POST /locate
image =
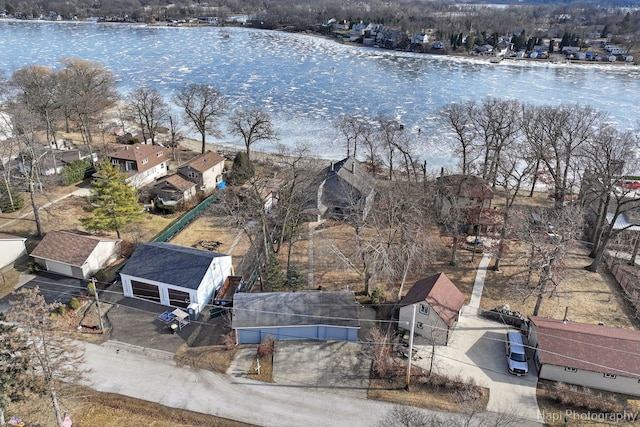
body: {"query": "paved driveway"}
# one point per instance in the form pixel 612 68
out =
pixel 477 351
pixel 334 366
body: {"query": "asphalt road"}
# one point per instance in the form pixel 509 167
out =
pixel 153 376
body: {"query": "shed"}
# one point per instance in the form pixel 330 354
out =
pixel 295 316
pixel 173 275
pixel 75 254
pixel 12 250
pixel 437 303
pixel 585 354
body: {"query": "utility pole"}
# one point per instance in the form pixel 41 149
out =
pixel 95 291
pixel 410 352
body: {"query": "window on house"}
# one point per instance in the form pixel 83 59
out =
pixel 570 369
pixel 609 376
pixel 420 325
pixel 128 166
pixel 424 309
pixel 193 175
pixel 159 154
pixel 115 162
pixel 145 161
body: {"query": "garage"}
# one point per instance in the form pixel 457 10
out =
pixel 178 298
pixel 295 316
pixel 145 290
pixel 59 268
pixel 175 276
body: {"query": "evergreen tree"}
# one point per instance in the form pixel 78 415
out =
pixel 114 201
pixel 242 169
pixel 11 199
pixel 273 277
pixel 295 279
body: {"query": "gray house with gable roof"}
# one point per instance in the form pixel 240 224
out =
pixel 173 275
pixel 341 190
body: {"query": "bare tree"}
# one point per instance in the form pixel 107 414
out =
pixel 86 90
pixel 356 129
pixel 38 91
pixel 51 353
pixel 201 104
pixel 458 118
pixel 550 234
pixel 25 124
pixel 497 123
pixel 567 128
pixel 512 171
pixel 388 134
pixel 149 109
pixel 175 135
pixel 253 125
pixel 610 155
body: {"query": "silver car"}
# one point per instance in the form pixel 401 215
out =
pixel 516 356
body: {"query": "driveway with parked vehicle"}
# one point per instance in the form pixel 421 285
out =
pixel 477 351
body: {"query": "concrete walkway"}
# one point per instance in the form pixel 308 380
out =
pixel 478 285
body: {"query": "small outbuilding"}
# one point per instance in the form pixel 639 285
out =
pixel 588 355
pixel 295 316
pixel 12 250
pixel 75 254
pixel 437 303
pixel 173 275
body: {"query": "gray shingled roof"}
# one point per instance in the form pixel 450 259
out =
pixel 295 309
pixel 171 264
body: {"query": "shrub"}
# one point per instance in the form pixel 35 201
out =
pixel 91 289
pixel 74 303
pixel 75 171
pixel 100 276
pixel 378 296
pixel 62 310
pixel 266 347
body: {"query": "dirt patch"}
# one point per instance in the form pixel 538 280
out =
pixel 211 358
pixel 209 228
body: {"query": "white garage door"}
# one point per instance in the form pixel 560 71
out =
pixel 57 267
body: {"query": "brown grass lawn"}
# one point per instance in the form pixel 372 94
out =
pixel 591 297
pixel 393 390
pixel 90 408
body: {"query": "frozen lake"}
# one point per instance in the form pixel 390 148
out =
pixel 306 82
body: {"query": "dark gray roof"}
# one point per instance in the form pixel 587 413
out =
pixel 295 309
pixel 171 264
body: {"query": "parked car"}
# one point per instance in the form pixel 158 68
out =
pixel 516 355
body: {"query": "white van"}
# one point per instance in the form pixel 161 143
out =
pixel 516 356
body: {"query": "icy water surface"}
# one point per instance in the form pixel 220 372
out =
pixel 306 82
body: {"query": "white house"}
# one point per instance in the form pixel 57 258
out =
pixel 142 163
pixel 75 254
pixel 437 303
pixel 12 250
pixel 176 276
pixel 588 355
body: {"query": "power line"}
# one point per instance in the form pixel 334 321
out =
pixel 377 321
